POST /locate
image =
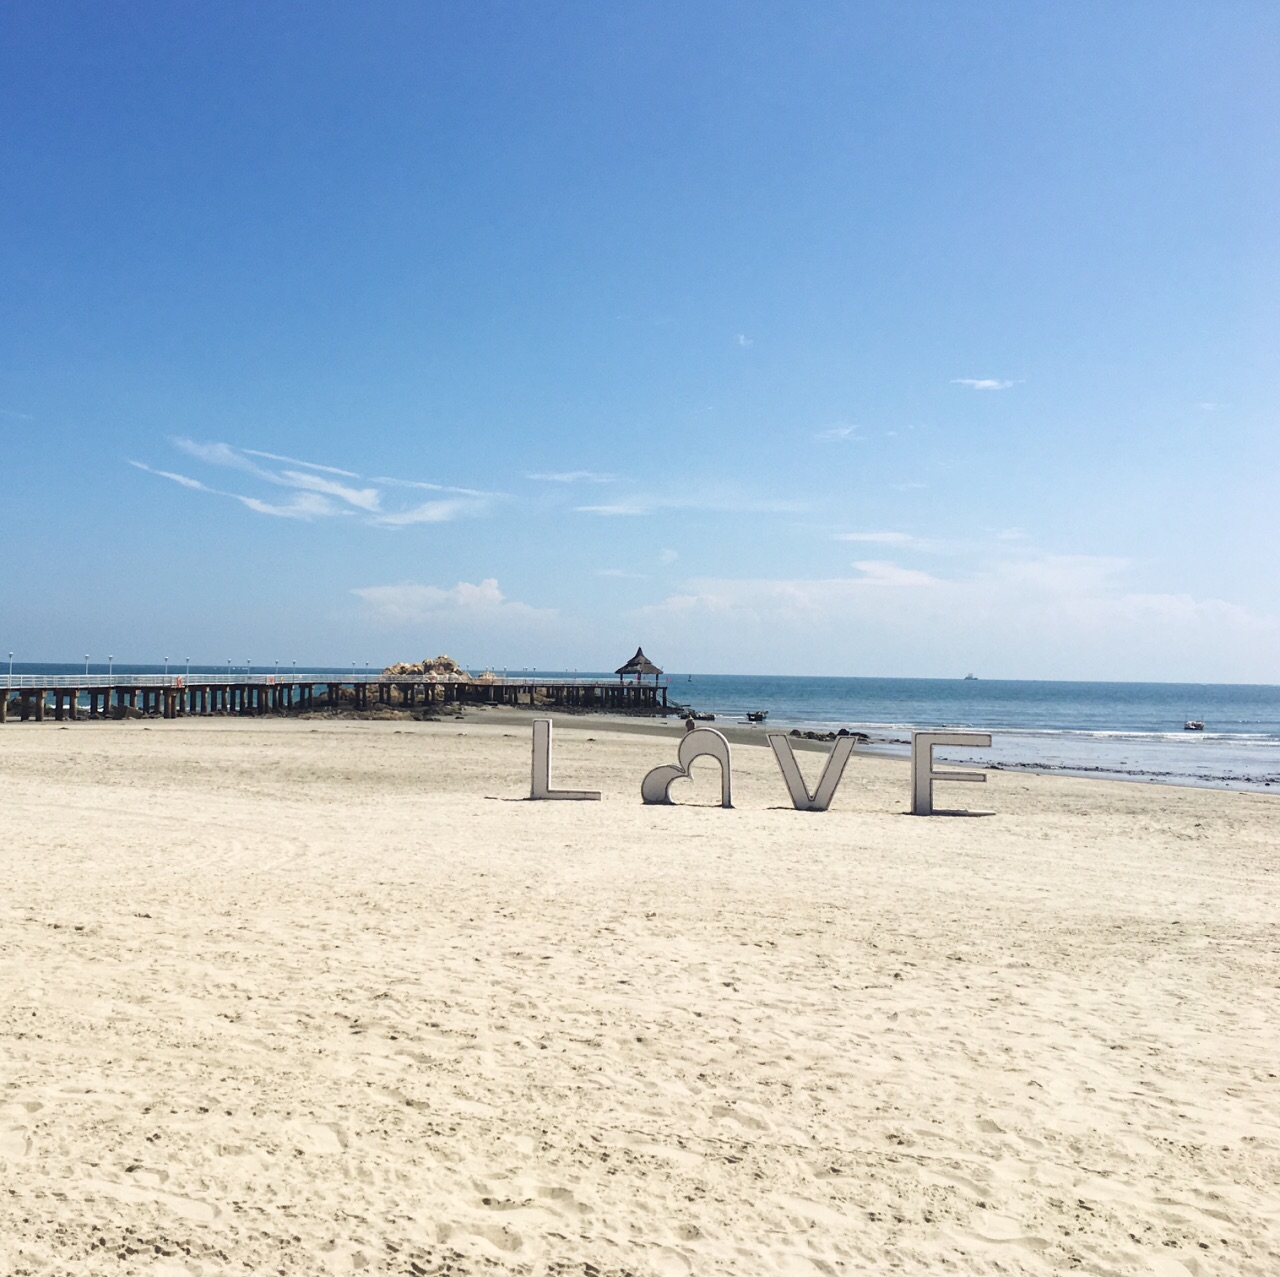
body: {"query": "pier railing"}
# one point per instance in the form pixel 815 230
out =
pixel 178 680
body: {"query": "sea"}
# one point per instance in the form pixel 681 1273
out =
pixel 1121 731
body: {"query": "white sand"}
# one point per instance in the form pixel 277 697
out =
pixel 324 997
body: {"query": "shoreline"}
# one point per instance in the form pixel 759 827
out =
pixel 1006 742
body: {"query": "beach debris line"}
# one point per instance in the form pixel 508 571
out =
pixel 655 788
pixel 861 737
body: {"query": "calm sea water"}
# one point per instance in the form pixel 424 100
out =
pixel 1124 730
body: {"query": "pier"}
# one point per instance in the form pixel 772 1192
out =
pixel 93 696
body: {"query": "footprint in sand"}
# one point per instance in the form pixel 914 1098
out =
pixel 15 1142
pixel 564 1200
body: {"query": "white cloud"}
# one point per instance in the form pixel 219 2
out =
pixel 319 492
pixel 619 574
pixel 627 507
pixel 668 556
pixel 217 454
pixel 1018 614
pixel 839 434
pixel 878 572
pixel 388 482
pixel 982 383
pixel 902 541
pixel 182 479
pixel 572 476
pixel 877 538
pixel 306 505
pixel 717 503
pixel 744 341
pixel 431 512
pixel 361 498
pixel 293 461
pixel 481 604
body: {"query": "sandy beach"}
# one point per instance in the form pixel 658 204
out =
pixel 331 997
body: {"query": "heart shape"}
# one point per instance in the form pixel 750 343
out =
pixel 695 744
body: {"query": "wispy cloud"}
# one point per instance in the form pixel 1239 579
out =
pixel 572 476
pixel 293 461
pixel 619 574
pixel 840 433
pixel 362 498
pixel 744 341
pixel 428 512
pixel 877 538
pixel 879 572
pixel 900 541
pixel 387 482
pixel 183 479
pixel 1208 405
pixel 17 416
pixel 722 503
pixel 318 491
pixel 306 505
pixel 982 383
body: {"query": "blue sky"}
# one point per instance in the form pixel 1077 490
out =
pixel 884 338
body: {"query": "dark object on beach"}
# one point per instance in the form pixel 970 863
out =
pixel 702 718
pixel 860 738
pixel 1193 725
pixel 757 715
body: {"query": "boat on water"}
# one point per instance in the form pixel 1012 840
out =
pixel 1193 725
pixel 757 715
pixel 970 678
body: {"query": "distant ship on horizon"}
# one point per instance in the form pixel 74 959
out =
pixel 967 677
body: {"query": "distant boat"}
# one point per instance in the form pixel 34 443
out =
pixel 1193 725
pixel 969 677
pixel 757 715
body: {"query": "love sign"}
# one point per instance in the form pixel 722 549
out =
pixel 705 742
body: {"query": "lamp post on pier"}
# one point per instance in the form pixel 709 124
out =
pixel 86 665
pixel 166 667
pixel 248 667
pixel 110 666
pixel 188 669
pixel 10 669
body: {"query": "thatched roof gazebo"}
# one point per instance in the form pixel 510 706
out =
pixel 639 665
